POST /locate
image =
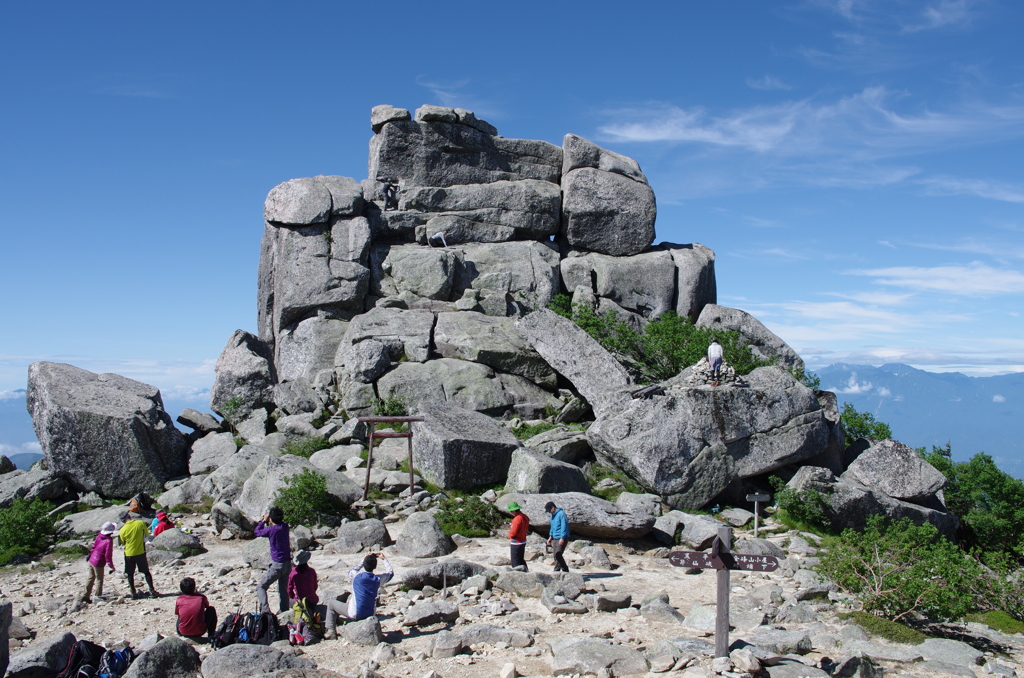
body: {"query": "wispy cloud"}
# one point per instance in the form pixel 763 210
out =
pixel 10 450
pixel 983 188
pixel 999 250
pixel 946 13
pixel 457 94
pixel 12 395
pixel 999 398
pixel 975 279
pixel 768 82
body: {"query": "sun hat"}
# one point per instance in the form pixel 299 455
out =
pixel 513 506
pixel 108 528
pixel 161 514
pixel 302 557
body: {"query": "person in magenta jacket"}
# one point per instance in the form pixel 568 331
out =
pixel 102 553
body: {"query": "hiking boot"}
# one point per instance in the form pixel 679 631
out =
pixel 153 594
pixel 330 634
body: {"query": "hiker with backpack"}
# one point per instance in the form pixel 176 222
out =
pixel 362 602
pixel 196 616
pixel 302 581
pixel 133 536
pixel 273 527
pixel 102 553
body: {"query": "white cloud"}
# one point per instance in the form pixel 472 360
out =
pixel 982 188
pixel 186 393
pixel 998 399
pixel 853 387
pixel 946 13
pixel 884 392
pixel 9 450
pixel 767 82
pixel 12 395
pixel 975 279
pixel 998 250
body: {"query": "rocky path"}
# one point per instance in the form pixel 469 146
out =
pixel 640 637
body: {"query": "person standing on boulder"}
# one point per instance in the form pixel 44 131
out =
pixel 517 537
pixel 275 529
pixel 362 602
pixel 558 536
pixel 715 361
pixel 133 535
pixel 102 552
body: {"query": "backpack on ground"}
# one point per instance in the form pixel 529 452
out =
pixel 257 628
pixel 227 632
pixel 306 627
pixel 83 659
pixel 114 663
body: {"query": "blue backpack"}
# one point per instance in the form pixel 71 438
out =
pixel 114 663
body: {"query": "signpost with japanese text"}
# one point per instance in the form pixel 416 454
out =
pixel 757 499
pixel 721 559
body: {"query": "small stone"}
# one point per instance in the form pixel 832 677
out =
pixel 508 671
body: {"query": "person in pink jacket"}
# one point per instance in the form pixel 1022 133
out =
pixel 102 553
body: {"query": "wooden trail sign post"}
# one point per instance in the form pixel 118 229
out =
pixel 721 559
pixel 373 421
pixel 757 499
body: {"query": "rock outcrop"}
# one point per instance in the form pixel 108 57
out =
pixel 104 432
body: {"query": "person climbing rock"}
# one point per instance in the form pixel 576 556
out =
pixel 715 362
pixel 438 240
pixel 390 192
pixel 517 537
pixel 133 535
pixel 102 553
pixel 275 529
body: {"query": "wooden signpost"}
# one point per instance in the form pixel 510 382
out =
pixel 373 421
pixel 757 499
pixel 721 559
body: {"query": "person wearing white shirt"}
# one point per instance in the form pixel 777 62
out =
pixel 715 361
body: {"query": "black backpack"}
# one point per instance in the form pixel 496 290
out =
pixel 261 629
pixel 227 632
pixel 83 659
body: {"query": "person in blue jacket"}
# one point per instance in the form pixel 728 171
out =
pixel 558 537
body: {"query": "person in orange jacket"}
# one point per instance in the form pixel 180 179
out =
pixel 517 536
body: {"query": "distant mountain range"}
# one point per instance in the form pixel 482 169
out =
pixel 923 408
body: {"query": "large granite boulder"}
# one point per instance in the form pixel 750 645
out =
pixel 644 284
pixel 172 657
pixel 574 354
pixel 523 273
pixel 103 432
pixel 227 480
pixel 458 448
pixel 762 341
pixel 5 629
pixel 589 516
pixel 492 212
pixel 849 503
pixel 271 475
pixel 611 212
pixel 891 467
pixel 243 660
pixel 561 443
pixel 298 202
pixel 422 537
pixel 359 535
pixel 447 154
pixel 465 384
pixel 491 341
pixel 308 347
pixel 690 443
pixel 577 655
pixel 201 422
pixel 535 473
pixel 384 113
pixel 406 333
pixel 42 659
pixel 245 377
pixel 695 277
pixel 210 451
pixel 35 483
pixel 444 573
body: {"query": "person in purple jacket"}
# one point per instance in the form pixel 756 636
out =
pixel 102 553
pixel 275 529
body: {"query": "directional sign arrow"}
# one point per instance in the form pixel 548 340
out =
pixel 724 561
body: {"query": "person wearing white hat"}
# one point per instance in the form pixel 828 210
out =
pixel 102 553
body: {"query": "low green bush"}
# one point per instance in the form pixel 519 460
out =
pixel 469 516
pixel 804 510
pixel 883 628
pixel 596 473
pixel 305 501
pixel 525 431
pixel 26 528
pixel 999 620
pixel 306 447
pixel 899 570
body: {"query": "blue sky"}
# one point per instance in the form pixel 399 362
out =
pixel 855 165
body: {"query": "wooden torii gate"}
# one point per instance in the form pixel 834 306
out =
pixel 373 435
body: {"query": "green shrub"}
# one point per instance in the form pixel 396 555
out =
pixel 898 569
pixel 25 528
pixel 862 425
pixel 390 407
pixel 663 347
pixel 470 517
pixel 232 409
pixel 306 447
pixel 804 510
pixel 883 628
pixel 999 620
pixel 525 431
pixel 71 552
pixel 305 501
pixel 196 509
pixel 596 473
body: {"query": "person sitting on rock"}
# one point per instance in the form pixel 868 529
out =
pixel 361 603
pixel 517 537
pixel 275 529
pixel 302 581
pixel 715 361
pixel 162 523
pixel 133 535
pixel 102 553
pixel 558 536
pixel 195 614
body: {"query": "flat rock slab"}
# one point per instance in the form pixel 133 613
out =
pixel 429 613
pixel 589 516
pixel 444 573
pixel 486 633
pixel 950 652
pixel 241 661
pixel 892 653
pixel 780 641
pixel 789 668
pixel 590 655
